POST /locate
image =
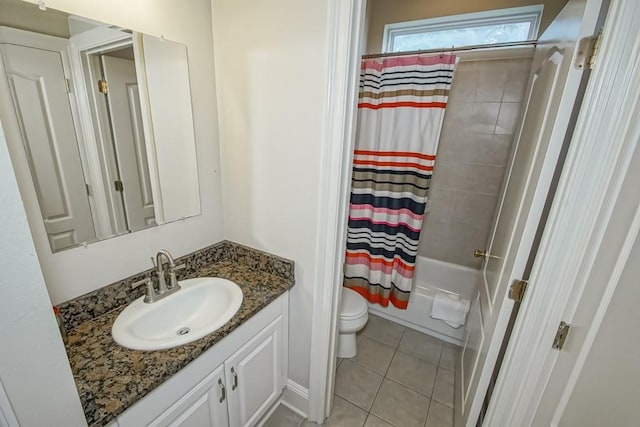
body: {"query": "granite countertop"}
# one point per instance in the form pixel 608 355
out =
pixel 111 378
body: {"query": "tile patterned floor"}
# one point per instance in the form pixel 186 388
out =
pixel 400 378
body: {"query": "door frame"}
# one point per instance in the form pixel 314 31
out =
pixel 109 215
pixel 575 217
pixel 345 36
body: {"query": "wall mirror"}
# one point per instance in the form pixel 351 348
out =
pixel 107 142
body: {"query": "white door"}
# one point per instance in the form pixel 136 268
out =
pixel 204 406
pixel 39 92
pixel 553 89
pixel 254 376
pixel 595 379
pixel 129 142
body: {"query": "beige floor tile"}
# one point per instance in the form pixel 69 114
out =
pixel 356 384
pixel 400 405
pixel 422 346
pixel 344 414
pixel 443 390
pixel 373 355
pixel 412 372
pixel 373 421
pixel 383 331
pixel 276 421
pixel 449 358
pixel 284 417
pixel 439 415
pixel 284 412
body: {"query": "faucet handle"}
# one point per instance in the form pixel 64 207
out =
pixel 141 282
pixel 173 280
pixel 151 292
pixel 153 261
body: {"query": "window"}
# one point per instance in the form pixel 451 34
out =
pixel 495 26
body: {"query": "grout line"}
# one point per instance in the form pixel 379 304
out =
pixel 367 367
pixel 428 411
pixel 440 356
pixel 374 397
pixel 407 387
pixel 434 389
pixel 434 386
pixel 384 377
pixel 395 351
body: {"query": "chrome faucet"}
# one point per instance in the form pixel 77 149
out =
pixel 163 290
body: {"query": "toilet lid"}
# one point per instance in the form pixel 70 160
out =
pixel 353 304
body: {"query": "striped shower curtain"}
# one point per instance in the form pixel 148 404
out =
pixel 400 112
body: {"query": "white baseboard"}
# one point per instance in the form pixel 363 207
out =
pixel 270 412
pixel 296 398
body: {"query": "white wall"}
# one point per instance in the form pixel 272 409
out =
pixel 34 369
pixel 271 61
pixel 25 16
pixel 77 271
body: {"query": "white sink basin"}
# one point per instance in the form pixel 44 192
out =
pixel 202 306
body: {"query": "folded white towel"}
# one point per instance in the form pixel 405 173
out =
pixel 450 308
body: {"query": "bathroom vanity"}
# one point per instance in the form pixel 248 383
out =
pixel 233 383
pixel 230 377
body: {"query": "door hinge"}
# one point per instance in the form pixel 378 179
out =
pixel 119 186
pixel 69 86
pixel 103 87
pixel 516 290
pixel 561 336
pixel 588 51
pixel 88 190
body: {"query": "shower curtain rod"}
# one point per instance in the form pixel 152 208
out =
pixel 452 49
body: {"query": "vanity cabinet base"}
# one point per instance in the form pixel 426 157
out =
pixel 234 383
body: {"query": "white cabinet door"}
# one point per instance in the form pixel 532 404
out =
pixel 254 376
pixel 205 405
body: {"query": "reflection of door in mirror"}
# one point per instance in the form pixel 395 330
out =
pixel 127 148
pixel 39 91
pixel 128 137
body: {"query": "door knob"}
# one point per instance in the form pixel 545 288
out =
pixel 479 253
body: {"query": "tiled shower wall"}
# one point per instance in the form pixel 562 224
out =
pixel 482 115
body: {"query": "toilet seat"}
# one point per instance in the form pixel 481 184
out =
pixel 353 305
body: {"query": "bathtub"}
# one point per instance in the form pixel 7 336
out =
pixel 431 276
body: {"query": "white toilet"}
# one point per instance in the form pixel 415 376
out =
pixel 353 316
